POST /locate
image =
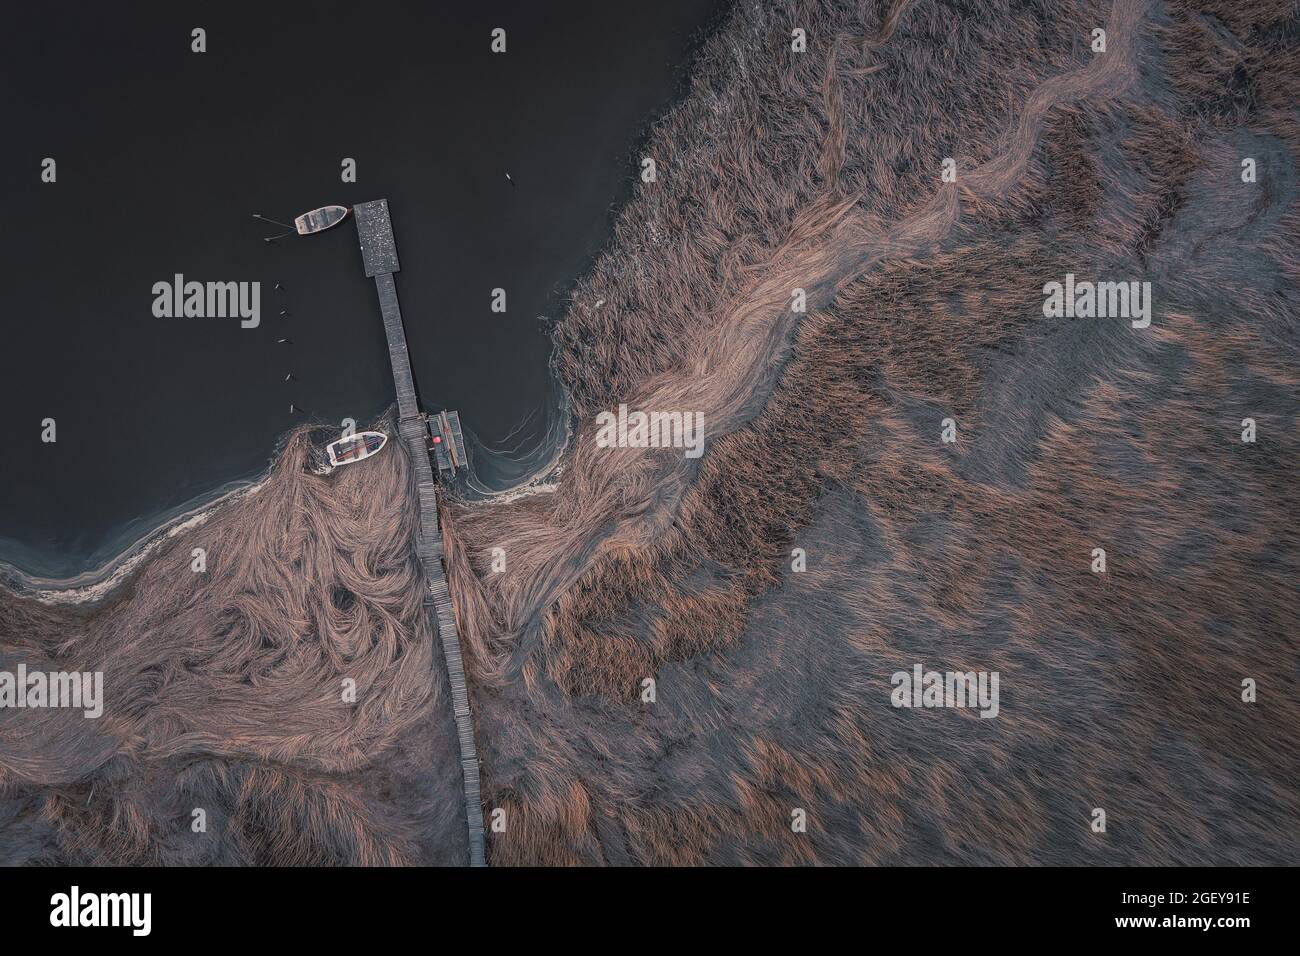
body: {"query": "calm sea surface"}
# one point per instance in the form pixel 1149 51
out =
pixel 162 155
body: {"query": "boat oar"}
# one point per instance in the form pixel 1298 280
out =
pixel 258 215
pixel 292 229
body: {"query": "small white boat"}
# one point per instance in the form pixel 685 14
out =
pixel 318 220
pixel 354 448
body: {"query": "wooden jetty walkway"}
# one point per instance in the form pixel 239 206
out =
pixel 379 254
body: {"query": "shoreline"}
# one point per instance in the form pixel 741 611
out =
pixel 93 585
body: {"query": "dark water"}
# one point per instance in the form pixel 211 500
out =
pixel 162 154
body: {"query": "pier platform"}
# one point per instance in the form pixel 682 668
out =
pixel 379 257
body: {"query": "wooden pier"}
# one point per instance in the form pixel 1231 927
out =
pixel 379 255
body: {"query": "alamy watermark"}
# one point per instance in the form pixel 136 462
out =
pixel 209 300
pixel 75 908
pixel 1098 300
pixel 651 430
pixel 79 690
pixel 922 688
